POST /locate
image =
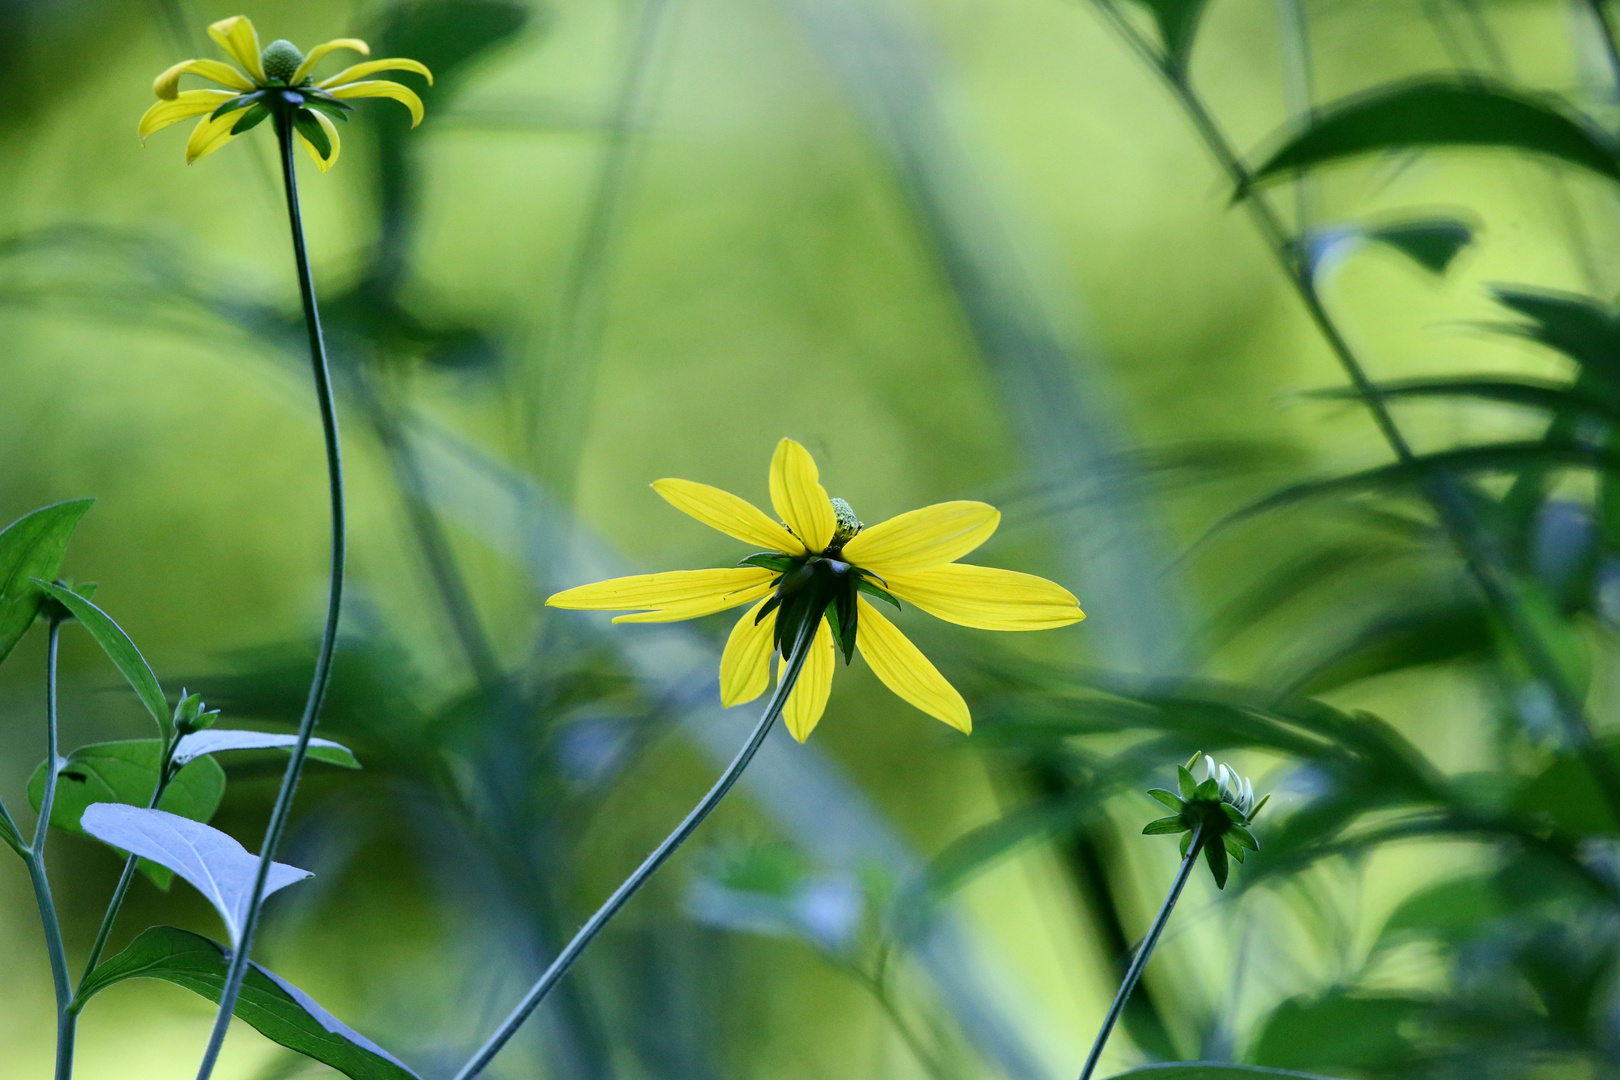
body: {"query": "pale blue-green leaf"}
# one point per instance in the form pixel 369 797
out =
pixel 32 547
pixel 1211 1070
pixel 215 741
pixel 220 868
pixel 119 649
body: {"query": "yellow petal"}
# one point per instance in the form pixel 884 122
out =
pixel 798 496
pixel 924 538
pixel 238 38
pixel 371 67
pixel 745 666
pixel 386 89
pixel 808 699
pixel 728 513
pixel 692 609
pixel 905 670
pixel 988 598
pixel 210 134
pixel 332 134
pixel 669 589
pixel 319 52
pixel 184 107
pixel 167 85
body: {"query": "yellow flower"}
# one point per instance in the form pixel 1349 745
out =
pixel 273 81
pixel 819 562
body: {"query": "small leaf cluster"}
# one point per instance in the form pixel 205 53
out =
pixel 1217 811
pixel 812 586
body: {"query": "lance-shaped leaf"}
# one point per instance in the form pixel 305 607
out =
pixel 1432 243
pixel 126 772
pixel 277 1009
pixel 1211 1070
pixel 215 741
pixel 119 649
pixel 1428 113
pixel 32 547
pixel 220 868
pixel 1177 21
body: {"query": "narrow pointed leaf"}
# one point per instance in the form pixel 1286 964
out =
pixel 1244 837
pixel 1177 21
pixel 1215 855
pixel 1427 113
pixel 214 741
pixel 277 1009
pixel 219 867
pixel 1211 1070
pixel 32 547
pixel 1189 786
pixel 1168 798
pixel 119 649
pixel 1164 825
pixel 1433 244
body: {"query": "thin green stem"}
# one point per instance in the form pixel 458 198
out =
pixel 1479 551
pixel 323 660
pixel 1133 974
pixel 604 914
pixel 35 858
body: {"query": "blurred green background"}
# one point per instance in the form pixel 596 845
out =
pixel 959 249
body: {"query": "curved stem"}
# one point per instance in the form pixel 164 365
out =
pixel 593 926
pixel 323 660
pixel 1133 974
pixel 35 858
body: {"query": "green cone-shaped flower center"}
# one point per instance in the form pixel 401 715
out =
pixel 280 59
pixel 848 523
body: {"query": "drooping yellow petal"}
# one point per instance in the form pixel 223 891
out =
pixel 798 496
pixel 692 609
pixel 167 85
pixel 730 514
pixel 320 52
pixel 905 670
pixel 921 539
pixel 238 38
pixel 745 666
pixel 210 134
pixel 669 589
pixel 385 89
pixel 332 134
pixel 808 700
pixel 987 598
pixel 371 67
pixel 184 107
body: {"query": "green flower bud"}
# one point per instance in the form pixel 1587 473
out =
pixel 848 523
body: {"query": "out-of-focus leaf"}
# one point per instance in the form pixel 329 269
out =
pixel 1565 794
pixel 1582 328
pixel 277 1009
pixel 1177 21
pixel 1544 394
pixel 1431 243
pixel 214 741
pixel 1427 113
pixel 32 547
pixel 1338 1030
pixel 220 868
pixel 1450 911
pixel 447 36
pixel 119 649
pixel 126 772
pixel 1209 1070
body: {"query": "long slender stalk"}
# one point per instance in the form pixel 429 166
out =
pixel 35 858
pixel 1133 974
pixel 593 926
pixel 323 660
pixel 1479 551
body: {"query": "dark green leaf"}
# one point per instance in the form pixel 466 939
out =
pixel 311 130
pixel 447 36
pixel 1338 1030
pixel 1244 837
pixel 126 772
pixel 1565 794
pixel 1215 856
pixel 1233 848
pixel 1210 1070
pixel 277 1009
pixel 1428 113
pixel 32 547
pixel 1432 243
pixel 1580 327
pixel 1177 21
pixel 1450 911
pixel 250 119
pixel 769 560
pixel 1543 394
pixel 1161 826
pixel 871 589
pixel 119 649
pixel 1233 814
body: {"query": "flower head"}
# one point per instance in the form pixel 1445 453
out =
pixel 820 567
pixel 276 80
pixel 1219 809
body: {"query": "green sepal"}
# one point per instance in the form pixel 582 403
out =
pixel 1257 806
pixel 1189 786
pixel 1210 789
pixel 240 101
pixel 1163 826
pixel 311 129
pixel 1245 837
pixel 878 591
pixel 768 607
pixel 1233 814
pixel 1168 798
pixel 1186 842
pixel 1215 855
pixel 773 561
pixel 1233 848
pixel 331 106
pixel 250 119
pixel 844 618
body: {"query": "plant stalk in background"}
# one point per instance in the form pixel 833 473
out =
pixel 35 858
pixel 323 661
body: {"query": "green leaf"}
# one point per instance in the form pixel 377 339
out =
pixel 1543 394
pixel 1161 826
pixel 126 772
pixel 119 649
pixel 1233 848
pixel 877 591
pixel 277 1009
pixel 1244 837
pixel 1431 243
pixel 1168 798
pixel 1189 786
pixel 1341 1030
pixel 1580 327
pixel 1450 911
pixel 1215 856
pixel 32 547
pixel 1177 21
pixel 1427 113
pixel 1565 794
pixel 769 560
pixel 1209 1070
pixel 311 129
